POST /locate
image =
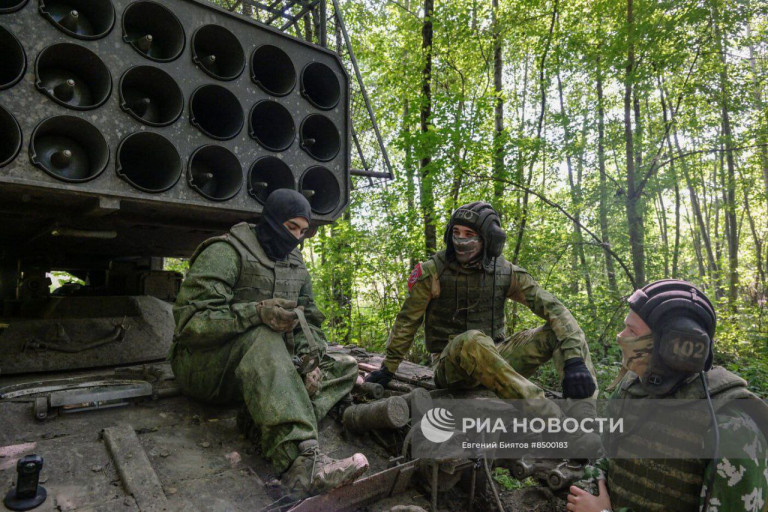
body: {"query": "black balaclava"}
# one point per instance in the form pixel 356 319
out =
pixel 281 205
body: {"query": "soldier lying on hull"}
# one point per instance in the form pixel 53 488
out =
pixel 248 329
pixel 664 314
pixel 459 294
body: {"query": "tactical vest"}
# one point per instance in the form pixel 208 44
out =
pixel 667 484
pixel 467 301
pixel 260 278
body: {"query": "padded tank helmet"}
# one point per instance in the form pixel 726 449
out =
pixel 683 322
pixel 482 218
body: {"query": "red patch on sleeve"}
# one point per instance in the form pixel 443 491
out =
pixel 415 275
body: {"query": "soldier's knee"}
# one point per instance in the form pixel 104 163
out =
pixel 475 340
pixel 345 362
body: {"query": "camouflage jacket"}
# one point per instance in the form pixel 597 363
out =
pixel 206 310
pixel 424 285
pixel 739 483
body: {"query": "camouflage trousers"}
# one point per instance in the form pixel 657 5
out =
pixel 472 359
pixel 256 368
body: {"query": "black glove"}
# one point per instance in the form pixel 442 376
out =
pixel 577 382
pixel 382 376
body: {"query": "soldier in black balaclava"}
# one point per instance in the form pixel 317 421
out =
pixel 277 239
pixel 248 330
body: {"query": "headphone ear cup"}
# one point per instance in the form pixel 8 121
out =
pixel 496 238
pixel 684 351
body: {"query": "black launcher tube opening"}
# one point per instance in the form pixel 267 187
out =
pixel 268 174
pixel 14 60
pixel 320 137
pixel 321 188
pixel 69 148
pixel 215 173
pixel 216 111
pixel 83 19
pixel 151 96
pixel 153 31
pixel 73 76
pixel 271 125
pixel 149 162
pixel 218 52
pixel 320 86
pixel 273 70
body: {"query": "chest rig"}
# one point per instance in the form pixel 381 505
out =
pixel 667 484
pixel 469 299
pixel 261 278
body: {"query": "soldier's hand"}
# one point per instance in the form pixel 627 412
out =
pixel 279 314
pixel 577 382
pixel 382 376
pixel 580 500
pixel 313 381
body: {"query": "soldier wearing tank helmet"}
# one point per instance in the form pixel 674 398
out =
pixel 248 330
pixel 459 295
pixel 667 351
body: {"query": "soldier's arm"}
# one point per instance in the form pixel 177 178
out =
pixel 315 317
pixel 409 318
pixel 525 290
pixel 740 483
pixel 203 311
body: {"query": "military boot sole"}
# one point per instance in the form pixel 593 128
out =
pixel 359 463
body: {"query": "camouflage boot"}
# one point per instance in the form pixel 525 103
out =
pixel 314 473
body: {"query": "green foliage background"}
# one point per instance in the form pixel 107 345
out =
pixel 704 59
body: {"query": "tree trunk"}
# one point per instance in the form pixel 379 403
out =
pixel 661 215
pixel 604 183
pixel 426 194
pixel 498 131
pixel 730 178
pixel 410 176
pixel 673 171
pixel 695 204
pixel 632 199
pixel 696 247
pixel 539 128
pixel 762 129
pixel 579 259
pixel 341 282
pixel 756 238
pixel 676 250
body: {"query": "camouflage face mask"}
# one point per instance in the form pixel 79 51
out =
pixel 467 249
pixel 636 352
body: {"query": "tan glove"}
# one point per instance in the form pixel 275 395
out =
pixel 313 381
pixel 278 314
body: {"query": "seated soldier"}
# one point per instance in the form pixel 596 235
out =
pixel 248 329
pixel 459 294
pixel 663 316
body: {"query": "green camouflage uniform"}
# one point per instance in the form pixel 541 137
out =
pixel 654 485
pixel 463 335
pixel 223 354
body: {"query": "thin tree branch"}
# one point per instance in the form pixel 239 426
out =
pixel 715 150
pixel 562 210
pixel 401 6
pixel 652 166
